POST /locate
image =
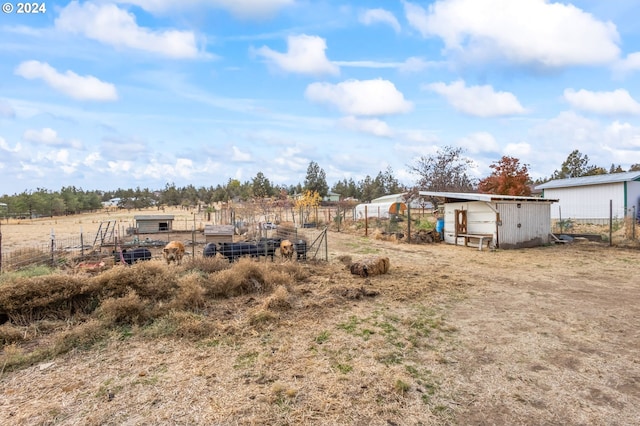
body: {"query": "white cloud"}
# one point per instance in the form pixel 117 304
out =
pixel 291 159
pixel 534 32
pixel 629 64
pixel 110 25
pixel 305 55
pixel 6 110
pixel 372 126
pixel 5 146
pixel 517 150
pixel 623 135
pixel 240 156
pixel 92 159
pixel 360 97
pixel 71 84
pixel 479 142
pixel 248 9
pixel 607 103
pixel 374 16
pixel 479 101
pixel 557 137
pixel 182 168
pixel 413 64
pixel 46 136
pixel 122 167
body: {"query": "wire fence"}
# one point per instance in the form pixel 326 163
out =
pixel 58 251
pixel 69 251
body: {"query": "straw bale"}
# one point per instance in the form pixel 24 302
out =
pixel 370 266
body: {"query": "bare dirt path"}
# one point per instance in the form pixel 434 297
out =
pixel 544 336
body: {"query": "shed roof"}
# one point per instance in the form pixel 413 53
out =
pixel 591 180
pixel 218 230
pixel 393 198
pixel 154 217
pixel 469 196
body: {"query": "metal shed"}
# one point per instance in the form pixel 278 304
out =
pixel 502 221
pixel 218 233
pixel 152 224
pixel 592 199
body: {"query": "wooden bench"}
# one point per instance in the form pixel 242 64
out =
pixel 480 237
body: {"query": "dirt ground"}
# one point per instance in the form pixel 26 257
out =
pixel 454 336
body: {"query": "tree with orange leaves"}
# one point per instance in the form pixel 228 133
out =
pixel 509 177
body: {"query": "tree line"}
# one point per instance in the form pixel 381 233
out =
pixel 448 170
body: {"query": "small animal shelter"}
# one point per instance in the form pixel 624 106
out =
pixel 152 224
pixel 498 221
pixel 218 233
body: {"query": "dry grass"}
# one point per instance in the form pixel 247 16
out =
pixel 447 336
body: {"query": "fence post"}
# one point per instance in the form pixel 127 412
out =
pixel 409 223
pixel 366 222
pixel 0 247
pixel 53 246
pixel 326 245
pixel 81 244
pixel 610 223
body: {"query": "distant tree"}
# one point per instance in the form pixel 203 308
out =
pixel 390 183
pixel 307 204
pixel 635 167
pixel 369 189
pixel 316 180
pixel 170 195
pixel 577 165
pixel 509 177
pixel 616 169
pixel 444 171
pixel 261 187
pixel 347 189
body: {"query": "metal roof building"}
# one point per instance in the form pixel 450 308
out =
pixel 588 198
pixel 504 221
pixel 383 206
pixel 151 224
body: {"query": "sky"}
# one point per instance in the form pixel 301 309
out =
pixel 114 94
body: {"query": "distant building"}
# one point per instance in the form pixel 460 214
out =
pixel 152 224
pixel 590 199
pixel 331 197
pixel 111 203
pixel 218 233
pixel 385 206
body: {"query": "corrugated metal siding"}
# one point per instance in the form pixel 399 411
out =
pixel 587 202
pixel 633 196
pixel 152 226
pixel 534 219
pixel 527 225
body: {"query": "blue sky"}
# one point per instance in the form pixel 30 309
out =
pixel 126 93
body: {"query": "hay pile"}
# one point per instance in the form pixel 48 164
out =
pixel 370 266
pixel 425 237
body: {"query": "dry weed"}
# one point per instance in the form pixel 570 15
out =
pixel 208 264
pixel 128 309
pixel 245 276
pixel 279 300
pixel 190 294
pixel 10 334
